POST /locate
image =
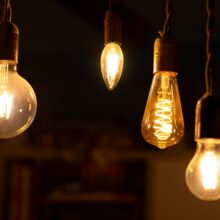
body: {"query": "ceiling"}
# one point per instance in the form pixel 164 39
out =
pixel 142 16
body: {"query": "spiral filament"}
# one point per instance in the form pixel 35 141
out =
pixel 163 113
pixel 162 124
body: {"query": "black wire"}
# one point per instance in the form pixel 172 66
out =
pixel 110 4
pixel 169 13
pixel 4 11
pixel 7 12
pixel 209 47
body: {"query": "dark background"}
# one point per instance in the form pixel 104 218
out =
pixel 60 47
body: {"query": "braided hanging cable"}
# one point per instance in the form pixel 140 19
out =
pixel 209 45
pixel 6 2
pixel 7 12
pixel 169 13
pixel 110 5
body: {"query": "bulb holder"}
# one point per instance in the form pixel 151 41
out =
pixel 165 54
pixel 9 37
pixel 112 25
pixel 207 124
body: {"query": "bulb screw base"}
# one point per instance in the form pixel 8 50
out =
pixel 207 124
pixel 9 37
pixel 112 25
pixel 165 54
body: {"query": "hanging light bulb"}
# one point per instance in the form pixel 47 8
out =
pixel 112 64
pixel 17 98
pixel 17 102
pixel 112 59
pixel 162 124
pixel 203 172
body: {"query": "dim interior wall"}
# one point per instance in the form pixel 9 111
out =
pixel 170 198
pixel 2 175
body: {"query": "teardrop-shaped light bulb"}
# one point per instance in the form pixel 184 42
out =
pixel 112 61
pixel 203 171
pixel 162 123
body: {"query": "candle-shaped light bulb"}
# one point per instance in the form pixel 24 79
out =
pixel 203 171
pixel 162 123
pixel 112 60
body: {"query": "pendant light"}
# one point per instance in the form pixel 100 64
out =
pixel 162 123
pixel 203 172
pixel 17 98
pixel 112 59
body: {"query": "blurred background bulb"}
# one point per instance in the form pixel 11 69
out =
pixel 17 102
pixel 112 61
pixel 203 171
pixel 162 123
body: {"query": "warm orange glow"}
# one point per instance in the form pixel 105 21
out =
pixel 6 101
pixel 203 171
pixel 112 64
pixel 162 123
pixel 17 102
pixel 163 111
pixel 209 171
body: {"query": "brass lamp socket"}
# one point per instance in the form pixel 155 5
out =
pixel 165 54
pixel 207 124
pixel 9 37
pixel 112 25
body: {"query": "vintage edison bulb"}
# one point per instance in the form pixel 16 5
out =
pixel 17 102
pixel 203 171
pixel 162 123
pixel 112 61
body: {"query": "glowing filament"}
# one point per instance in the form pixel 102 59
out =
pixel 112 66
pixel 209 171
pixel 5 97
pixel 163 120
pixel 5 105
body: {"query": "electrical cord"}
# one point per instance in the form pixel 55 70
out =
pixel 110 5
pixel 169 13
pixel 209 47
pixel 7 12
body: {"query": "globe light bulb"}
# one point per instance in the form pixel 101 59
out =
pixel 17 101
pixel 162 123
pixel 203 171
pixel 112 61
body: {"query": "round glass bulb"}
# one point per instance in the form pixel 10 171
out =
pixel 203 171
pixel 112 61
pixel 18 102
pixel 162 123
